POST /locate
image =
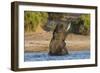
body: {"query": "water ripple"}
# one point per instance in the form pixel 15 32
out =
pixel 43 56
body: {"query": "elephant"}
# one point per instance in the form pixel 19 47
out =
pixel 57 44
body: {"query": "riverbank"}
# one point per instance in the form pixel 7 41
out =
pixel 39 42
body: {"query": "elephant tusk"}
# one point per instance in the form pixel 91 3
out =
pixel 69 25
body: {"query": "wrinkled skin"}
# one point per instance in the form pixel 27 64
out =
pixel 57 45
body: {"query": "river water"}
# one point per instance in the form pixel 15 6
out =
pixel 43 56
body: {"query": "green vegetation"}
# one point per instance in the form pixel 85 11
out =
pixel 49 20
pixel 34 19
pixel 86 19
